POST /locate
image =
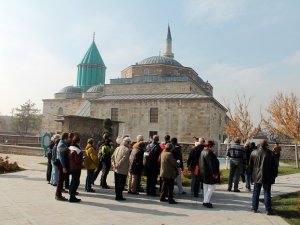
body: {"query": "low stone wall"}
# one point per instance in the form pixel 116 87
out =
pixel 287 151
pixel 21 150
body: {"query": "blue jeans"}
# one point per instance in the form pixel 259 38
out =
pixel 89 179
pixel 248 179
pixel 267 196
pixel 54 174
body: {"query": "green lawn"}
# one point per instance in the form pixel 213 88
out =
pixel 286 207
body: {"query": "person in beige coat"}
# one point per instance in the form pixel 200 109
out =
pixel 120 164
pixel 168 172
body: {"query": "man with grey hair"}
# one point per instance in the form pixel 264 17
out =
pixel 152 168
pixel 238 160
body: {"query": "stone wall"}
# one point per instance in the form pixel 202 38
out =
pixel 153 88
pixel 287 151
pixel 51 112
pixel 21 150
pixel 181 118
pixel 88 128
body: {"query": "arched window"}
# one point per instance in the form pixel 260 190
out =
pixel 60 111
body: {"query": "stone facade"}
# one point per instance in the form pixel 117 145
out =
pixel 179 118
pixel 152 88
pixel 54 109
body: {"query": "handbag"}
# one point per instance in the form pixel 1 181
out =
pixel 196 170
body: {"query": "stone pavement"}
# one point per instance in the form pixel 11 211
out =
pixel 26 198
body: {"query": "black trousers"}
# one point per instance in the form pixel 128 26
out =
pixel 120 182
pixel 105 170
pixel 97 171
pixel 197 185
pixel 167 189
pixel 49 169
pixel 67 179
pixel 151 182
pixel 75 181
pixel 61 178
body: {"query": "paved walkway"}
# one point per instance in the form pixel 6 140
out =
pixel 26 198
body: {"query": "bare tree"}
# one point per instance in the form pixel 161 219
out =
pixel 240 123
pixel 284 119
pixel 26 118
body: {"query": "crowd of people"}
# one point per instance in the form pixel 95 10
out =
pixel 130 160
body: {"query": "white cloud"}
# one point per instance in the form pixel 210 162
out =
pixel 214 11
pixel 294 59
pixel 260 83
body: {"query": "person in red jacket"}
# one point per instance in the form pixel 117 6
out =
pixel 76 163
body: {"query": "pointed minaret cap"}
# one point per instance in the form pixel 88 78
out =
pixel 169 37
pixel 168 48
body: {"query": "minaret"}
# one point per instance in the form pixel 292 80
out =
pixel 91 70
pixel 168 50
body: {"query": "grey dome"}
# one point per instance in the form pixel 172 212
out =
pixel 160 60
pixel 97 88
pixel 70 89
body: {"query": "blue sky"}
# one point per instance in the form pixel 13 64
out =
pixel 246 47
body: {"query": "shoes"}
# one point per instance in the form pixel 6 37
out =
pixel 54 185
pixel 76 193
pixel 207 205
pixel 133 193
pixel 120 199
pixel 105 187
pixel 237 190
pixel 228 189
pixel 270 213
pixel 163 200
pixel 90 190
pixel 173 202
pixel 61 198
pixel 254 210
pixel 74 199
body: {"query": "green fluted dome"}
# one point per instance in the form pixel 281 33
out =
pixel 91 70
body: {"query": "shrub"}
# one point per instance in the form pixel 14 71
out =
pixel 6 166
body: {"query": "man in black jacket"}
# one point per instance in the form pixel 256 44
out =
pixel 192 162
pixel 264 170
pixel 152 170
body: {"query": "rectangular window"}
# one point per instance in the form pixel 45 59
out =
pixel 114 114
pixel 153 115
pixel 151 134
